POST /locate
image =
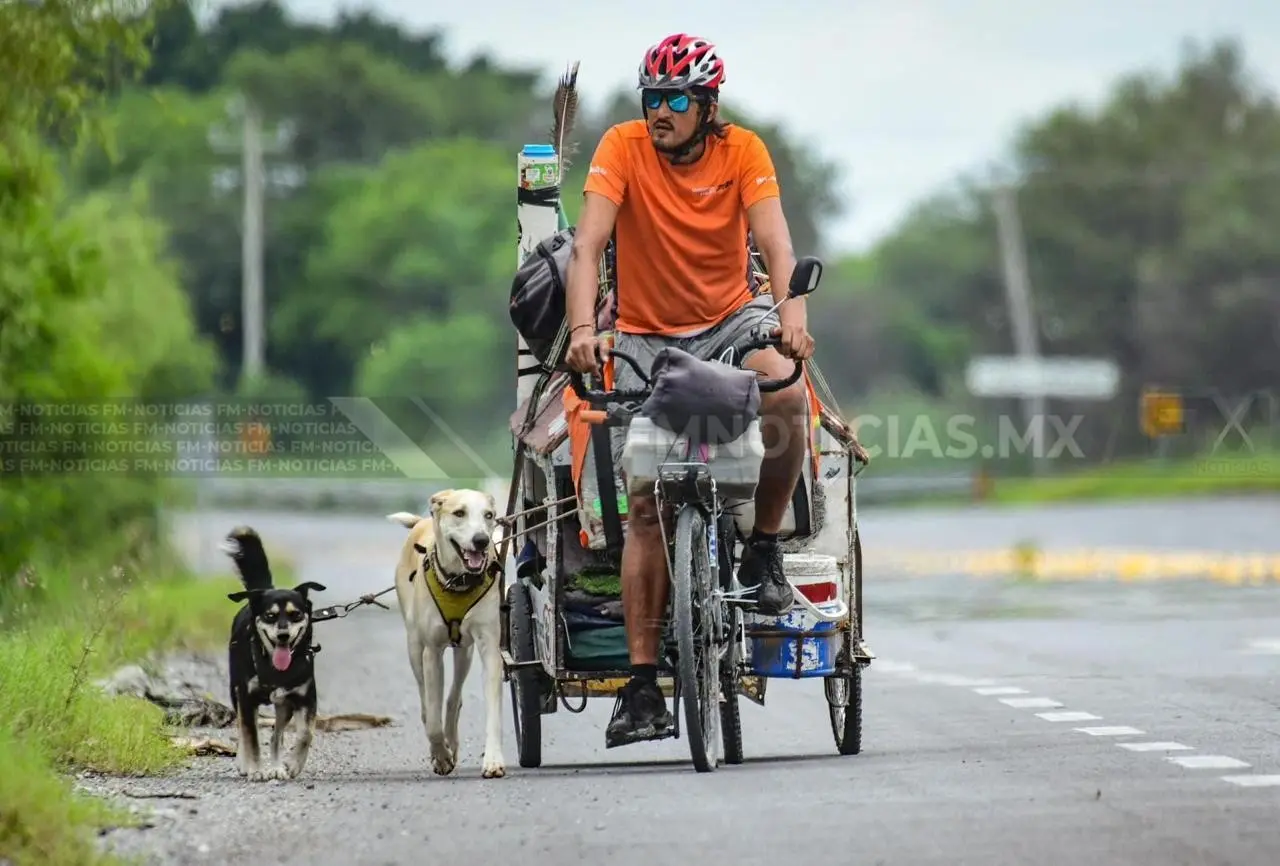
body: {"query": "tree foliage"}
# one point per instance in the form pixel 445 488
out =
pixel 1149 223
pixel 391 219
pixel 91 304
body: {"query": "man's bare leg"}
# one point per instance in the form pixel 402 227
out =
pixel 644 579
pixel 782 415
pixel 642 713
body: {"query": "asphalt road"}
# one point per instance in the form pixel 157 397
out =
pixel 1099 724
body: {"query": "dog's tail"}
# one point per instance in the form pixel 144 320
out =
pixel 245 547
pixel 405 519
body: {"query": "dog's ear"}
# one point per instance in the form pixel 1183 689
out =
pixel 250 595
pixel 309 586
pixel 438 500
pixel 418 547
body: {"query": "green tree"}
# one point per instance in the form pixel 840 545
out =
pixel 427 232
pixel 1148 223
pixel 89 308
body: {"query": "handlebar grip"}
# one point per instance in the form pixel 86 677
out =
pixel 596 397
pixel 765 340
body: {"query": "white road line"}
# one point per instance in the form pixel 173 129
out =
pixel 949 679
pixel 1154 747
pixel 1249 780
pixel 1110 731
pixel 1030 703
pixel 1068 716
pixel 1001 690
pixel 893 667
pixel 1208 762
pixel 1263 646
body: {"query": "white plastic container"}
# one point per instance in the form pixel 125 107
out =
pixel 735 465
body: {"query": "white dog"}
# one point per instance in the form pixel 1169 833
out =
pixel 448 587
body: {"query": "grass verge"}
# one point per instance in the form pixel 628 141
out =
pixel 60 631
pixel 1146 479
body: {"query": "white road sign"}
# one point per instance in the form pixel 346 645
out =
pixel 1069 377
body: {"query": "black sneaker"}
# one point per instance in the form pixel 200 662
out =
pixel 640 714
pixel 762 567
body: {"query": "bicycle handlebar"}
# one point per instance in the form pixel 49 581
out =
pixel 763 339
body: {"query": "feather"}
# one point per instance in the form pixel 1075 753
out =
pixel 565 105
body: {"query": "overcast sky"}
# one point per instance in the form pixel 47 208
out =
pixel 903 94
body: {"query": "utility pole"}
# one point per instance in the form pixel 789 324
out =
pixel 1017 286
pixel 251 244
pixel 253 179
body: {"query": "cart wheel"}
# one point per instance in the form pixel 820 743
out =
pixel 526 697
pixel 730 716
pixel 699 668
pixel 844 701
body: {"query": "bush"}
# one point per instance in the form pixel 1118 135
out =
pixel 92 311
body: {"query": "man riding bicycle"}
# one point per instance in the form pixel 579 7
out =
pixel 682 188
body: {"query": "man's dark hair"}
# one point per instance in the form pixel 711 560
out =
pixel 706 97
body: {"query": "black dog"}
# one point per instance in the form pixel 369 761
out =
pixel 270 659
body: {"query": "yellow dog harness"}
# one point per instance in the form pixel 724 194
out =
pixel 454 604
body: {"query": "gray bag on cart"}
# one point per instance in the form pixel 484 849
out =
pixel 710 402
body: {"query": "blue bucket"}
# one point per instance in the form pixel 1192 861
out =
pixel 794 657
pixel 778 654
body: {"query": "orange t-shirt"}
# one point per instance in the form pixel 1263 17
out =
pixel 681 231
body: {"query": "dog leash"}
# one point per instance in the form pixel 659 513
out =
pixel 338 611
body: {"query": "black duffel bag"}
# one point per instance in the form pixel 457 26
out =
pixel 538 296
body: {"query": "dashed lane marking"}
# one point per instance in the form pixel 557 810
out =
pixel 1249 780
pixel 1030 703
pixel 1069 716
pixel 1154 747
pixel 1111 731
pixel 1208 762
pixel 949 679
pixel 988 688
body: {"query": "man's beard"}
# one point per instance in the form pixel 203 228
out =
pixel 670 146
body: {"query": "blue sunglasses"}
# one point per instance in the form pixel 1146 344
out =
pixel 679 102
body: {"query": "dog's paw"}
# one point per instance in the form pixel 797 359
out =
pixel 442 762
pixel 258 774
pixel 281 773
pixel 493 768
pixel 292 768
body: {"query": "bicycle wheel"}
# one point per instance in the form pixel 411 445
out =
pixel 696 638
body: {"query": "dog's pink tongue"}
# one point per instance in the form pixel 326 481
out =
pixel 281 658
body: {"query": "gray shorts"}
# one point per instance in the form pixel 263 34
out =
pixel 735 330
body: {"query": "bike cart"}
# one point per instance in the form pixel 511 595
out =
pixel 564 525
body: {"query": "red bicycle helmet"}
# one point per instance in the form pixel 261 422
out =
pixel 682 61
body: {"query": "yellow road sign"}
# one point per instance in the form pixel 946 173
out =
pixel 1162 414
